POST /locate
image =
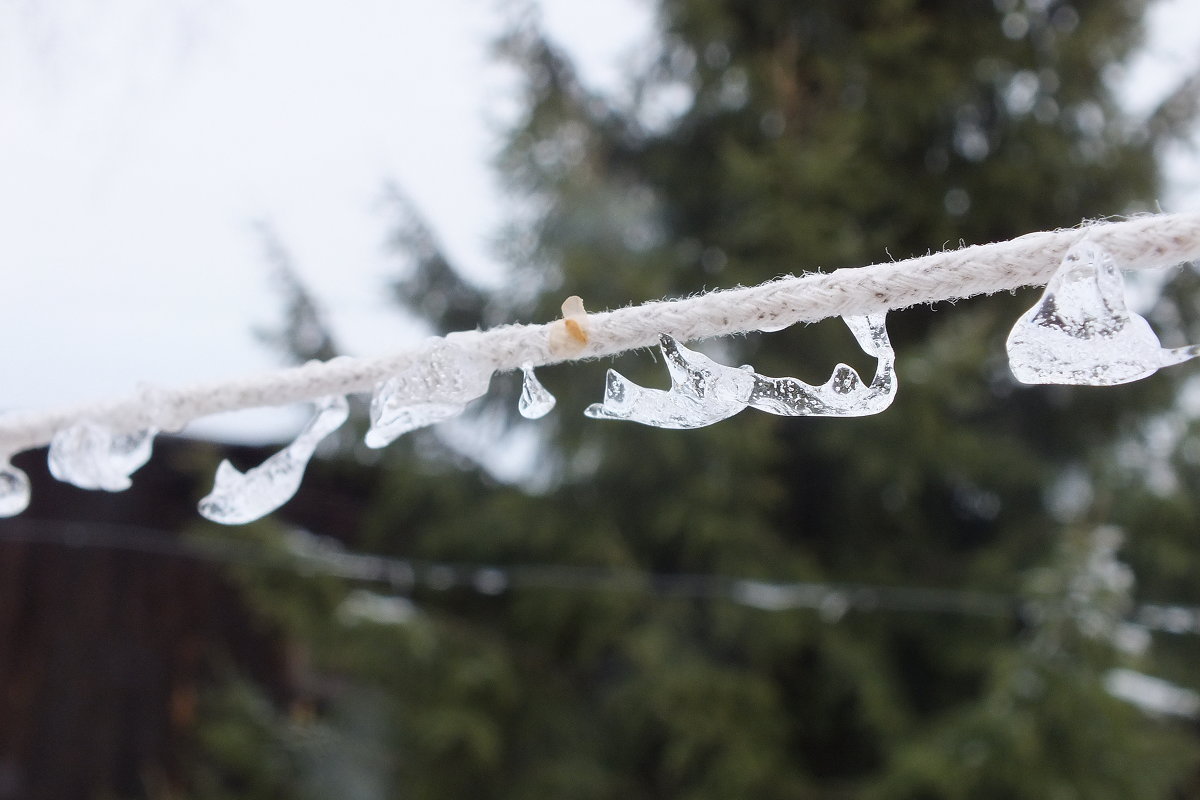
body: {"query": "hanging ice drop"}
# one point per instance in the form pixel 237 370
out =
pixel 91 456
pixel 536 402
pixel 239 497
pixel 14 490
pixel 434 388
pixel 1082 332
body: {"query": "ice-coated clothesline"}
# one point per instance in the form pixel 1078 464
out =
pixel 1143 242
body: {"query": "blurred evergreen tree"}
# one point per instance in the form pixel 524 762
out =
pixel 761 138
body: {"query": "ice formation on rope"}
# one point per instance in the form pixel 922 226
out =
pixel 14 490
pixel 91 456
pixel 239 497
pixel 704 392
pixel 536 402
pixel 1082 332
pixel 432 390
pixel 844 394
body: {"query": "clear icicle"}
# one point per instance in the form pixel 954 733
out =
pixel 91 456
pixel 536 401
pixel 1082 332
pixel 704 392
pixel 239 497
pixel 14 489
pixel 434 388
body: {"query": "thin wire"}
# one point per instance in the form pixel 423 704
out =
pixel 1140 243
pixel 308 554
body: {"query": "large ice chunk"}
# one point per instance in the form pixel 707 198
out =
pixel 1082 332
pixel 91 456
pixel 432 389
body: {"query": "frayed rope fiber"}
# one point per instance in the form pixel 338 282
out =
pixel 1143 242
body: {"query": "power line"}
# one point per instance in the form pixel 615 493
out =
pixel 306 553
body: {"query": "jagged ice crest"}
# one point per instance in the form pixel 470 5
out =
pixel 704 392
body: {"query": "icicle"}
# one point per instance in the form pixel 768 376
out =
pixel 14 489
pixel 1082 332
pixel 239 497
pixel 704 392
pixel 435 388
pixel 91 456
pixel 536 402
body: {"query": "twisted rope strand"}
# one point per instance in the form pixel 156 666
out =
pixel 1144 242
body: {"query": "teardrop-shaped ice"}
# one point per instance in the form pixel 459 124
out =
pixel 702 392
pixel 433 388
pixel 536 401
pixel 844 394
pixel 1082 332
pixel 91 456
pixel 14 490
pixel 239 497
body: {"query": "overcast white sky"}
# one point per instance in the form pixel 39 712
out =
pixel 140 139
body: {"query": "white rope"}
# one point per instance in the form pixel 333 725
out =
pixel 1144 242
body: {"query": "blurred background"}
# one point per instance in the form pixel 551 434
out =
pixel 986 591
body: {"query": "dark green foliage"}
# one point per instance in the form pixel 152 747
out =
pixel 304 336
pixel 818 135
pixel 431 288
